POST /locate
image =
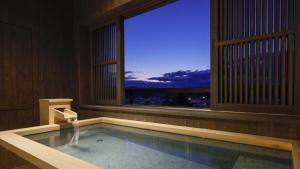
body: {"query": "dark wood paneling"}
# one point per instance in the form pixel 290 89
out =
pixel 19 13
pixel 36 57
pixel 16 68
pixel 84 66
pixel 10 119
pixel 56 44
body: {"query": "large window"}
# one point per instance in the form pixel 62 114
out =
pixel 167 55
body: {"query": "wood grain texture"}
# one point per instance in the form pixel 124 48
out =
pixel 296 155
pixel 16 68
pixel 37 61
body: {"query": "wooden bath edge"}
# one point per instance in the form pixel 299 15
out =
pixel 48 158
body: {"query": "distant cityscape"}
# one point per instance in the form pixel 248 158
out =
pixel 180 89
pixel 178 100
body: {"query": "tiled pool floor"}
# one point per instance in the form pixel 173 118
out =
pixel 115 147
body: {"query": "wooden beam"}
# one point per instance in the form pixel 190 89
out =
pixel 120 61
pixel 214 54
pixel 297 57
pixel 296 154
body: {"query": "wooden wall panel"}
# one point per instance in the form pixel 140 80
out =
pixel 36 57
pixel 56 45
pixel 16 68
pixel 11 119
pixel 84 66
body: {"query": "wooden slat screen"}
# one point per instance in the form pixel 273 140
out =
pixel 256 52
pixel 105 65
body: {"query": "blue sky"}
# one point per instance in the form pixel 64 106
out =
pixel 175 37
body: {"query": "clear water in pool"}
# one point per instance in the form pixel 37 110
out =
pixel 116 147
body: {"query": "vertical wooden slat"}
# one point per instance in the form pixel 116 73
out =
pixel 241 31
pixel 97 60
pixel 236 33
pixel 94 50
pixel 264 11
pixel 225 51
pixel 107 65
pixel 107 87
pixel 276 43
pixel 221 52
pixel 221 74
pixel 96 68
pixel 283 53
pixel 247 52
pixel 230 50
pixel 252 16
pixel 270 43
pixel 103 78
pixel 114 58
pixel 110 66
pixel 291 53
pixel 95 40
pixel 258 24
pixel 296 56
pixel 99 68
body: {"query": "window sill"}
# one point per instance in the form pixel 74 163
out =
pixel 195 113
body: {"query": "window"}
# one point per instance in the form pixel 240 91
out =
pixel 253 57
pixel 167 55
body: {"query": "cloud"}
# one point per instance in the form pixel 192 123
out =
pixel 178 79
pixel 187 75
pixel 130 75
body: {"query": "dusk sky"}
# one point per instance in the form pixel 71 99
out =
pixel 175 37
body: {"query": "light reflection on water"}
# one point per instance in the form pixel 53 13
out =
pixel 116 147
